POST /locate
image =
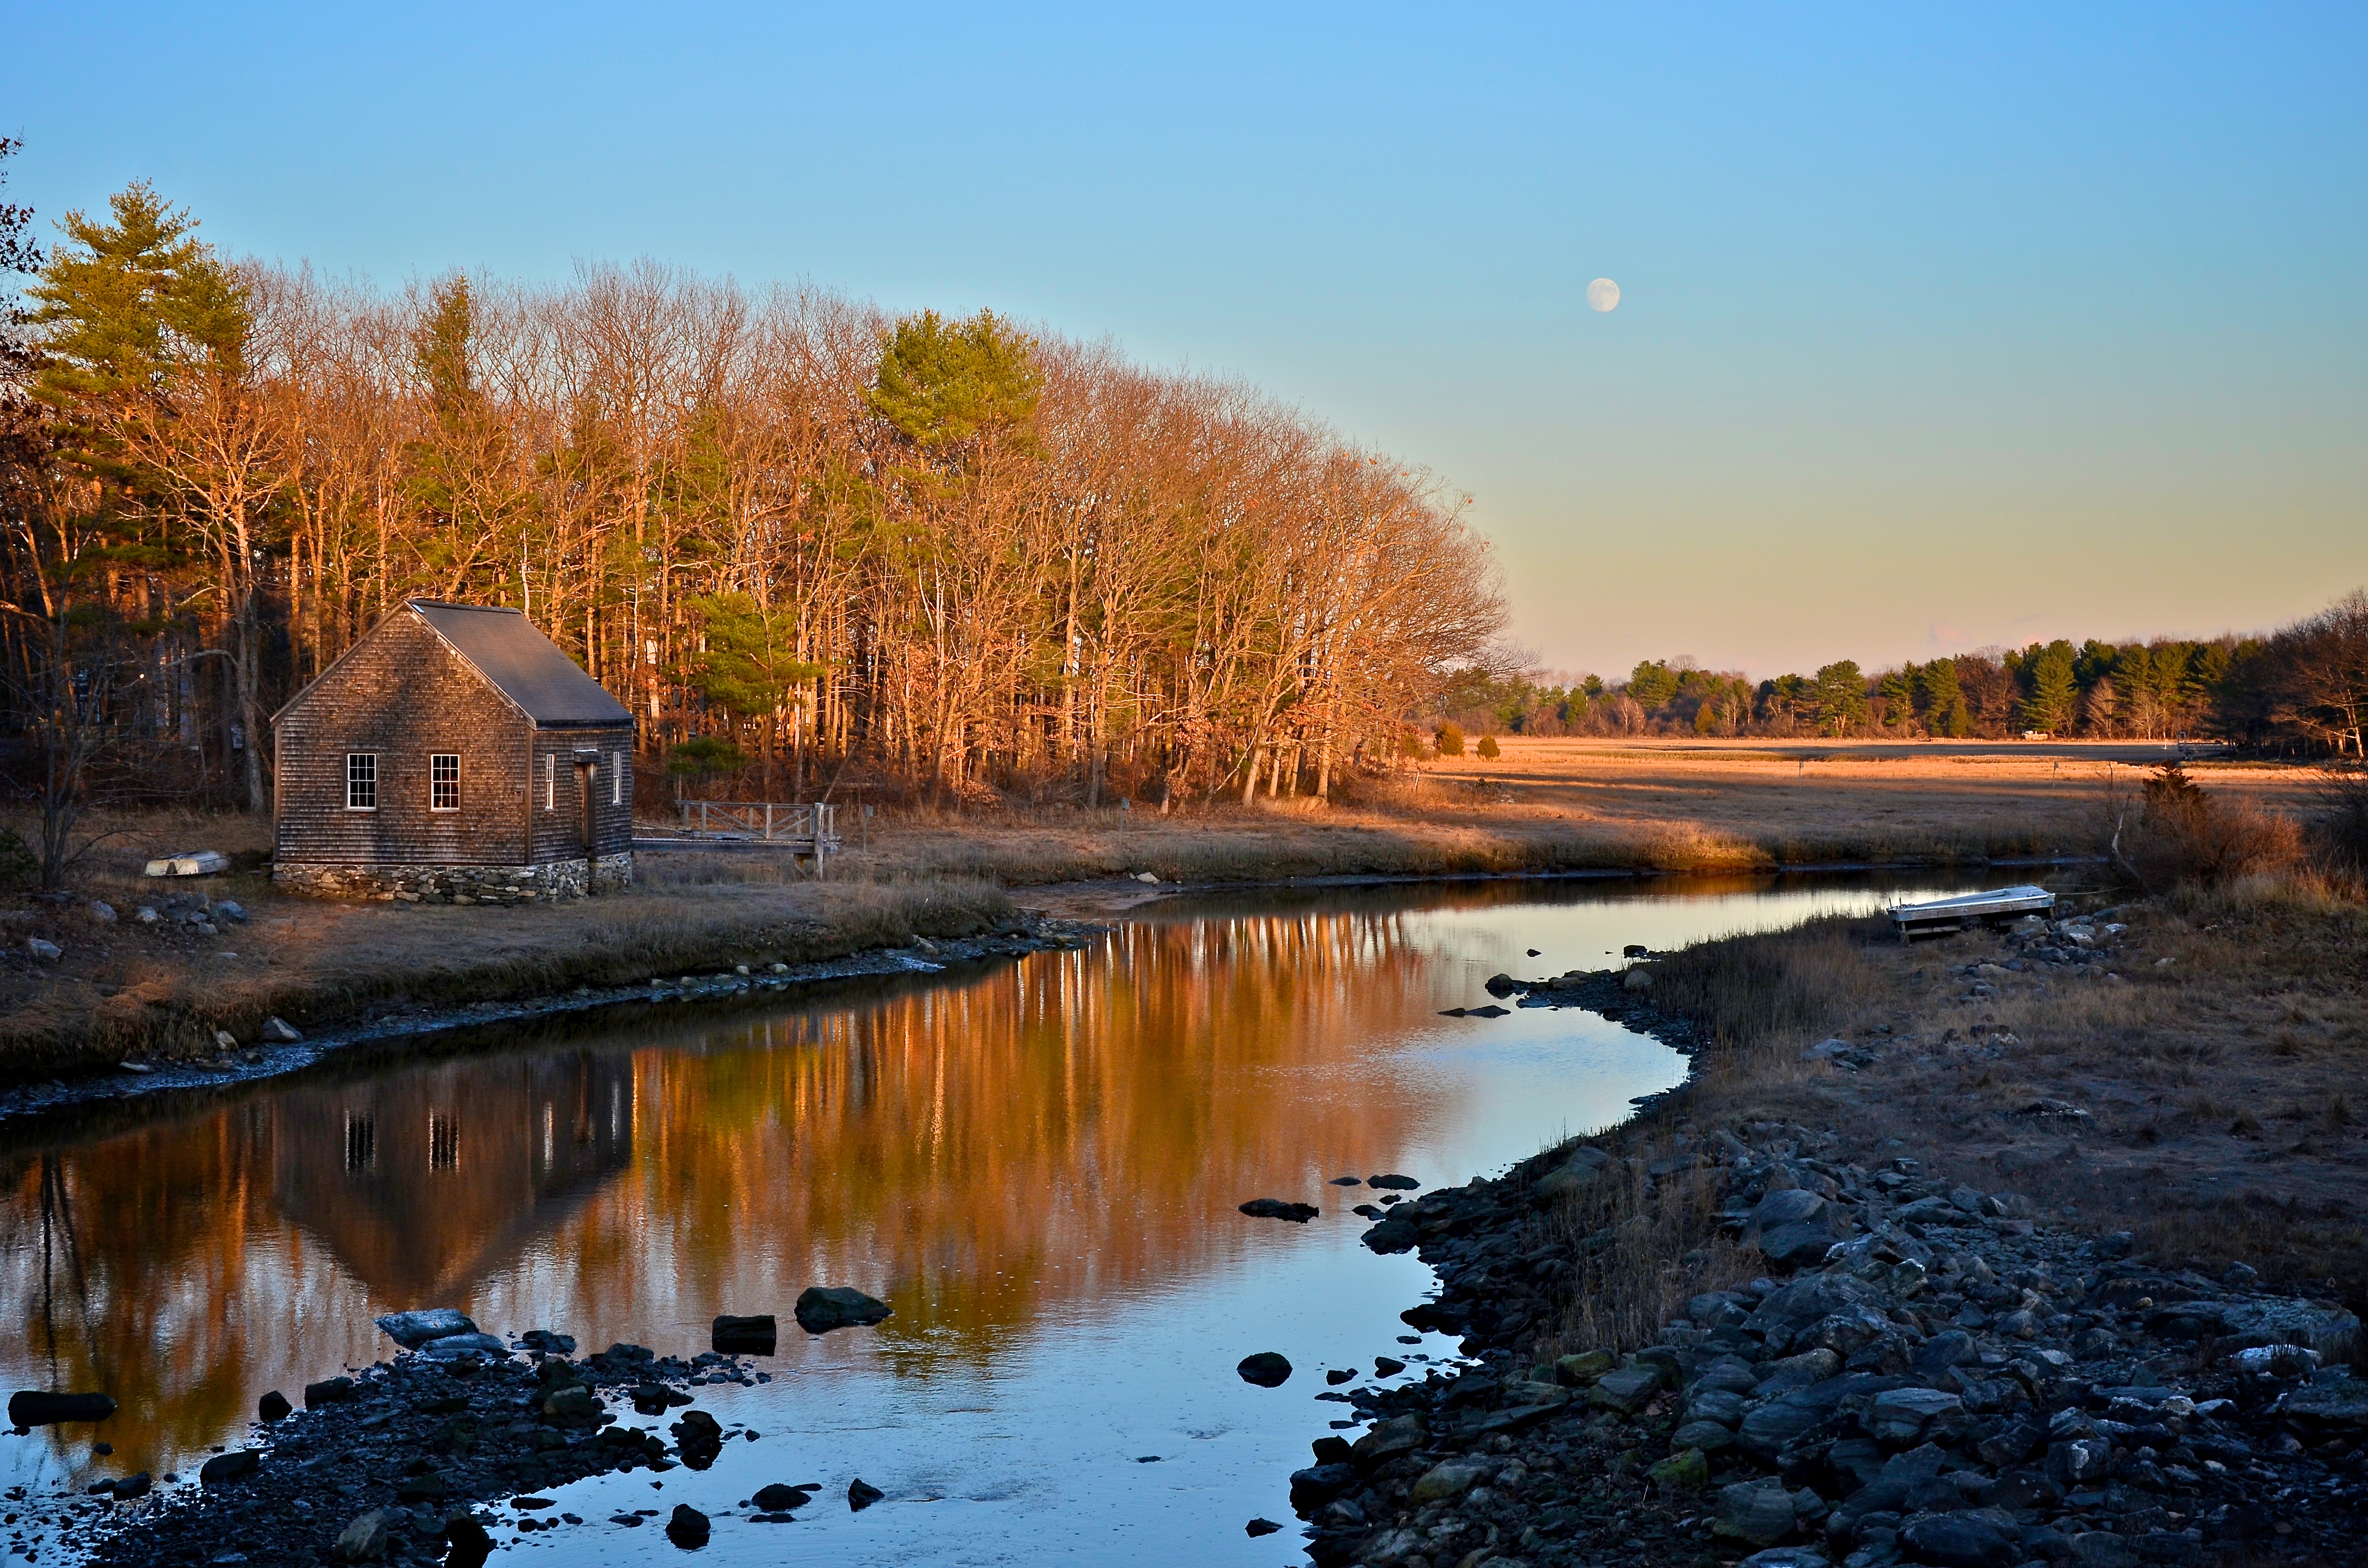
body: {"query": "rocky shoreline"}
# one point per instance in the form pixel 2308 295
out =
pixel 1922 1374
pixel 395 1462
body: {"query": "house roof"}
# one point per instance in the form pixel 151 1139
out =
pixel 523 664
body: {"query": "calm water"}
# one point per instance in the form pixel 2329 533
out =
pixel 1036 1165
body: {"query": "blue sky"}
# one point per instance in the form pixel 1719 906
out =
pixel 1941 326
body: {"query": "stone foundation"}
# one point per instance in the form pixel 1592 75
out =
pixel 459 884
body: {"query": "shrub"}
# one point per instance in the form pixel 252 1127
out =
pixel 1451 739
pixel 2341 828
pixel 1488 748
pixel 2181 834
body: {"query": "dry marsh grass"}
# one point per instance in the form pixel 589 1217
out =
pixel 126 990
pixel 2221 1088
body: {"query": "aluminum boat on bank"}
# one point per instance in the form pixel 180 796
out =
pixel 1967 910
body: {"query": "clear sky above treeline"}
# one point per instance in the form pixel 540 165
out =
pixel 1938 326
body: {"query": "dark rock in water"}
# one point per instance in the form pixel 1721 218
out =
pixel 576 1405
pixel 1347 1181
pixel 34 1408
pixel 1490 1011
pixel 1266 1368
pixel 412 1330
pixel 272 1406
pixel 330 1390
pixel 1371 1212
pixel 1959 1541
pixel 1394 1183
pixel 688 1528
pixel 470 1544
pixel 1339 1375
pixel 776 1498
pixel 1502 985
pixel 822 1308
pixel 1331 1450
pixel 1276 1209
pixel 1318 1484
pixel 1455 1012
pixel 744 1336
pixel 229 1467
pixel 131 1486
pixel 1387 1366
pixel 1533 952
pixel 364 1537
pixel 1635 950
pixel 862 1495
pixel 1393 1235
pixel 550 1344
pixel 1261 1526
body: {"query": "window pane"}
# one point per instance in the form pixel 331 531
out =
pixel 361 781
pixel 444 781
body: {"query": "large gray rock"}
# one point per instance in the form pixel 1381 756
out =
pixel 1722 1405
pixel 1959 1541
pixel 1787 1206
pixel 2315 1325
pixel 1900 1416
pixel 1627 1390
pixel 822 1308
pixel 413 1329
pixel 445 1346
pixel 1402 1435
pixel 1708 1436
pixel 364 1537
pixel 1804 1301
pixel 2336 1397
pixel 1798 1246
pixel 1449 1478
pixel 1760 1512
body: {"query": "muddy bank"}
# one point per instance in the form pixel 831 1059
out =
pixel 234 1063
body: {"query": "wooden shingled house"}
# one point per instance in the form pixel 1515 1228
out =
pixel 453 753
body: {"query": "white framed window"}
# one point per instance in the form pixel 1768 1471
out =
pixel 444 781
pixel 549 781
pixel 361 780
pixel 616 778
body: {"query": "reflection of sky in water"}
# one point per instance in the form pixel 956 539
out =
pixel 1037 1167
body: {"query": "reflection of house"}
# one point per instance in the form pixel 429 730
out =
pixel 424 1182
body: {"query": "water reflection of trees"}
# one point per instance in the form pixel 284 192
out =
pixel 1056 1133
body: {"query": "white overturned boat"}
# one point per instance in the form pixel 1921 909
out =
pixel 1968 909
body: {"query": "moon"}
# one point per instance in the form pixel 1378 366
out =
pixel 1602 296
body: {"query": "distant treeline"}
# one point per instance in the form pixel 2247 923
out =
pixel 802 539
pixel 2301 689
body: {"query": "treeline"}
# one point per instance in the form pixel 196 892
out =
pixel 2303 691
pixel 805 541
